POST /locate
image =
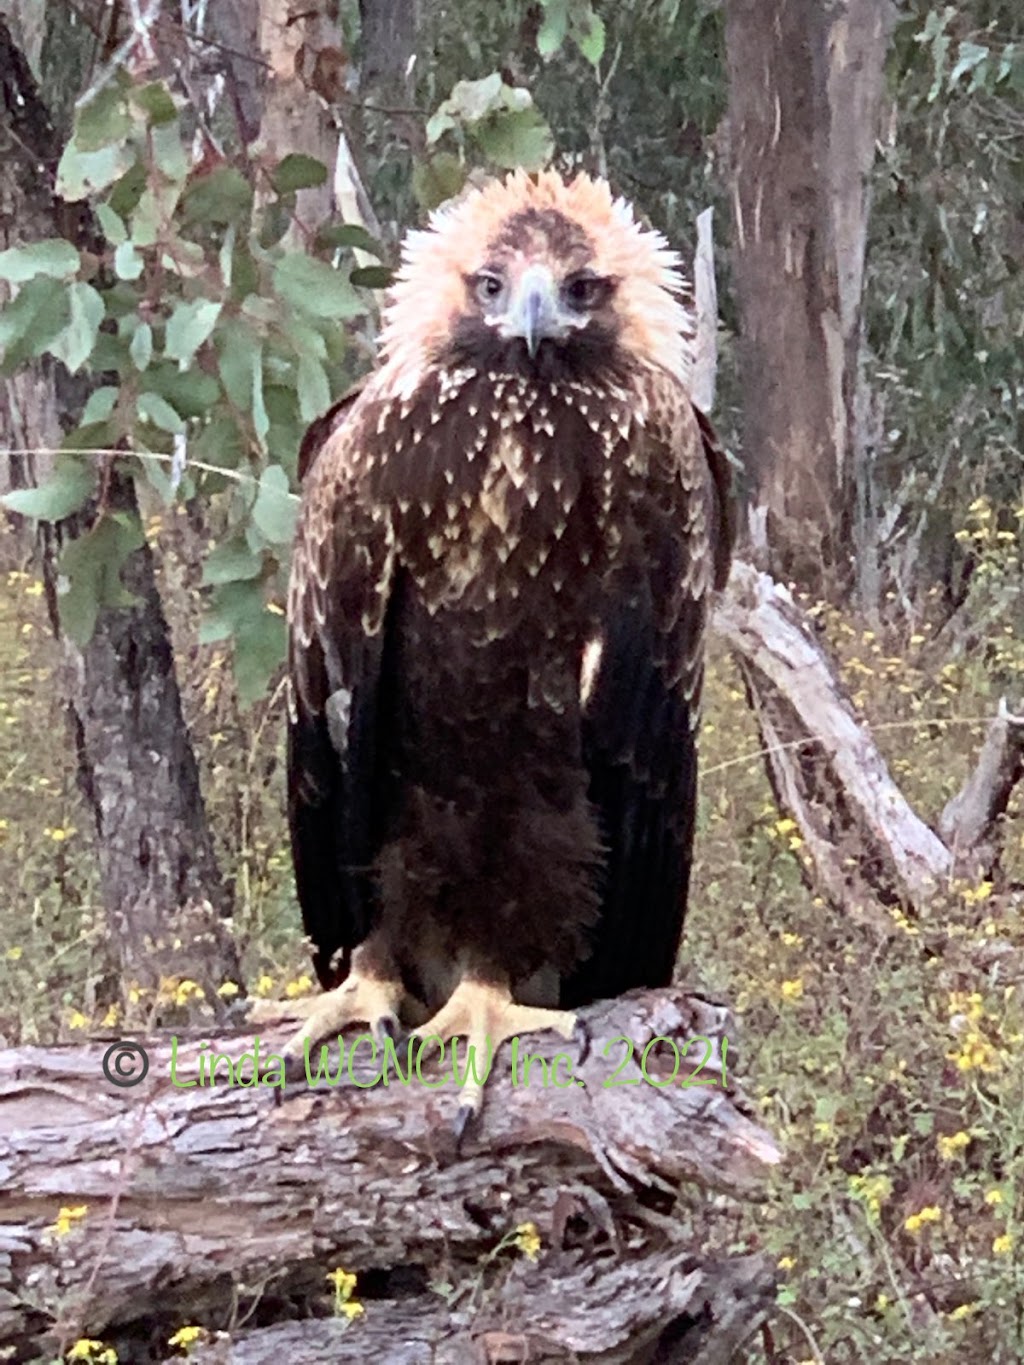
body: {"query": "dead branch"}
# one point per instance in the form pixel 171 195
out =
pixel 970 823
pixel 865 843
pixel 204 1201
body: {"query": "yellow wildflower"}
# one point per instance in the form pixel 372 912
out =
pixel 786 1262
pixel 352 1309
pixel 994 1197
pixel 228 990
pixel 916 1221
pixel 77 1020
pixel 68 1217
pixel 792 990
pixel 264 985
pixel 528 1241
pixel 87 1348
pixel 956 1142
pixel 1003 1244
pixel 186 1336
pixel 111 1017
pixel 965 1310
pixel 13 954
pixel 302 985
pixel 343 1281
pixel 188 990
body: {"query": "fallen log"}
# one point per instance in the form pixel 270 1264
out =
pixel 865 844
pixel 190 1202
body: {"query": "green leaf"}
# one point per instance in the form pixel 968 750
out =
pixel 99 405
pixel 437 180
pixel 141 349
pixel 298 172
pixel 589 36
pixel 238 612
pixel 105 119
pixel 555 26
pixel 112 224
pixel 128 264
pixel 220 197
pixel 156 102
pixel 230 563
pixel 518 138
pixel 313 388
pixel 152 408
pixel 192 393
pixel 220 442
pixel 238 346
pixel 316 288
pixel 53 257
pixel 372 276
pixel 350 235
pixel 81 173
pixel 170 156
pixel 188 327
pixel 91 566
pixel 67 489
pixel 32 319
pixel 74 345
pixel 276 508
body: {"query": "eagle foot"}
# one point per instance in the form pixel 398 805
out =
pixel 485 1014
pixel 363 998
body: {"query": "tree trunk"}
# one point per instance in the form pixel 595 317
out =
pixel 805 87
pixel 213 1203
pixel 388 45
pixel 163 894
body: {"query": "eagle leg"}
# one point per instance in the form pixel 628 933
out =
pixel 371 994
pixel 484 1013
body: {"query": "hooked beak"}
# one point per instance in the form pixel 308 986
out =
pixel 533 314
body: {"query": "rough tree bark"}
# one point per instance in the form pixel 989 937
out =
pixel 208 1204
pixel 162 890
pixel 805 86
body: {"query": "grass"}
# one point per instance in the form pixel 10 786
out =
pixel 887 1063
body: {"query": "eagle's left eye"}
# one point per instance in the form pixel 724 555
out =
pixel 584 291
pixel 489 286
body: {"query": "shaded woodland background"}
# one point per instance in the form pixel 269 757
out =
pixel 230 197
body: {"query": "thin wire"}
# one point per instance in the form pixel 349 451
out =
pixel 159 455
pixel 885 725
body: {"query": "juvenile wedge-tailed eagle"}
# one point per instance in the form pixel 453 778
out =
pixel 498 602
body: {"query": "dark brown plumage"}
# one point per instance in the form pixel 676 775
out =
pixel 498 604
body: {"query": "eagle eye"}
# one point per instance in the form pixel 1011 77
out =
pixel 584 291
pixel 488 285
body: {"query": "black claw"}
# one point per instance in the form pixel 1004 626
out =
pixel 294 1069
pixel 387 1026
pixel 581 1037
pixel 460 1127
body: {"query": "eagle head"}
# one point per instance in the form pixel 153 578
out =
pixel 537 275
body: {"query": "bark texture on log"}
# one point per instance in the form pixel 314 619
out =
pixel 206 1200
pixel 591 1313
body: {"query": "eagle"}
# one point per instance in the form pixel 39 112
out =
pixel 507 547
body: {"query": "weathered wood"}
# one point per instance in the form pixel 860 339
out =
pixel 970 823
pixel 592 1312
pixel 202 1196
pixel 864 842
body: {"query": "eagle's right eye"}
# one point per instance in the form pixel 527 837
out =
pixel 489 286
